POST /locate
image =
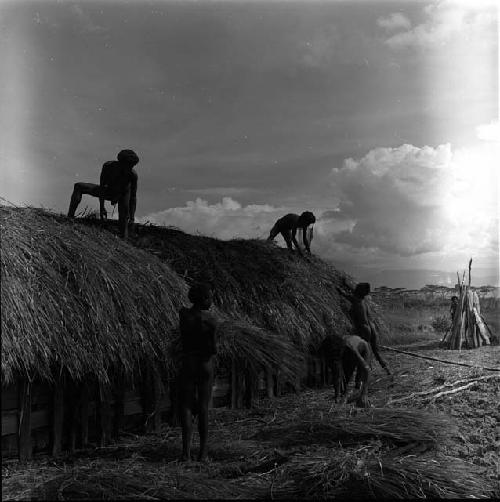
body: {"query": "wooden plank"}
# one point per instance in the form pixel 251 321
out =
pixel 41 439
pixel 57 417
pixel 9 446
pixel 40 419
pixel 10 397
pixel 9 422
pixel 24 430
pixel 221 388
pixel 41 395
pixel 132 406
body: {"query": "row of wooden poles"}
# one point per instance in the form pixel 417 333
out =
pixel 70 407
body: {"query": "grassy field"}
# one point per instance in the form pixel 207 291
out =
pixel 416 323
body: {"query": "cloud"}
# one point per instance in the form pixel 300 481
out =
pixel 489 132
pixel 394 21
pixel 444 20
pixel 227 219
pixel 409 200
pixel 227 191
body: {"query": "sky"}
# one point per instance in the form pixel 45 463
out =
pixel 380 117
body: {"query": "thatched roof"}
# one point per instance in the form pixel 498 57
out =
pixel 77 297
pixel 302 298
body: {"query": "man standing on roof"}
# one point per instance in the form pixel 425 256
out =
pixel 118 184
pixel 287 226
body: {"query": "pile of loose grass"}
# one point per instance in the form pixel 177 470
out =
pixel 371 474
pixel 395 426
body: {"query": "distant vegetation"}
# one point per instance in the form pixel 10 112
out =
pixel 424 314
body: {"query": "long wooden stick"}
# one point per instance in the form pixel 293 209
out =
pixel 439 360
pixel 435 389
pixel 453 391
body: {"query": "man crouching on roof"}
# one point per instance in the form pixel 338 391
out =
pixel 287 226
pixel 118 184
pixel 197 329
pixel 344 355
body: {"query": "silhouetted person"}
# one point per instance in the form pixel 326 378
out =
pixel 197 329
pixel 287 226
pixel 362 323
pixel 118 184
pixel 344 354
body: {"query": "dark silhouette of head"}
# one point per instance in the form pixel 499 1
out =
pixel 454 299
pixel 200 294
pixel 362 289
pixel 128 157
pixel 307 217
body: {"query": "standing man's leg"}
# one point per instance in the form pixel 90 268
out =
pixel 378 357
pixel 79 190
pixel 188 390
pixel 204 395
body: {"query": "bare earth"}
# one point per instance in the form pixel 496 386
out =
pixel 137 466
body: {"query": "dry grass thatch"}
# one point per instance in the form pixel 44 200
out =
pixel 78 298
pixel 372 474
pixel 302 299
pixel 74 297
pixel 396 426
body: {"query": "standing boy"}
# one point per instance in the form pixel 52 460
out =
pixel 197 329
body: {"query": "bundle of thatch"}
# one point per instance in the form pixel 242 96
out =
pixel 380 475
pixel 468 328
pixel 395 426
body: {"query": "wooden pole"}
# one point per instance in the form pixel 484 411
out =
pixel 24 425
pixel 105 414
pixel 84 415
pixel 269 383
pixel 147 399
pixel 73 395
pixel 234 384
pixel 157 397
pixel 119 406
pixel 57 417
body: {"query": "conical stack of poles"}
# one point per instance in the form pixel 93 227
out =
pixel 468 328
